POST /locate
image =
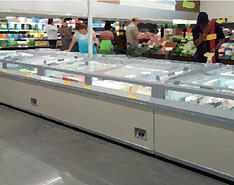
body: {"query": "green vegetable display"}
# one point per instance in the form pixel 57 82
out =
pixel 185 48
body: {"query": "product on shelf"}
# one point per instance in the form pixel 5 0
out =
pixel 3 24
pixel 226 50
pixel 23 32
pixel 217 103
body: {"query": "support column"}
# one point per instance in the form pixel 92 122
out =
pixel 90 28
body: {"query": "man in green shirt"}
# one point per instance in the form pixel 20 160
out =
pixel 133 37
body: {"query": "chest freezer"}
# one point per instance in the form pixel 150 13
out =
pixel 220 80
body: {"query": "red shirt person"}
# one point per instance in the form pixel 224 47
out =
pixel 204 28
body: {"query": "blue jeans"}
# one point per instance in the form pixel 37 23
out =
pixel 132 50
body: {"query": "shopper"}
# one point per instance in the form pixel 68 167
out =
pixel 78 21
pixel 205 28
pixel 107 40
pixel 121 43
pixel 51 31
pixel 156 31
pixel 66 35
pixel 133 37
pixel 81 35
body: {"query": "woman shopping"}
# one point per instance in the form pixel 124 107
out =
pixel 107 40
pixel 66 35
pixel 81 35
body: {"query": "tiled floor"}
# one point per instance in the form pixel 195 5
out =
pixel 37 152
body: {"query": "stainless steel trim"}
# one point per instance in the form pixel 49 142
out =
pixel 199 167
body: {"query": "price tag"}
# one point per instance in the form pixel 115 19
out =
pixel 211 37
pixel 133 96
pixel 4 70
pixel 66 82
pixel 86 87
pixel 23 70
pixel 219 21
pixel 229 16
pixel 27 75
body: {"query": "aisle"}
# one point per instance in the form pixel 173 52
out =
pixel 34 151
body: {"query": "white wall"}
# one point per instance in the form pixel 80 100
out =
pixel 128 12
pixel 99 10
pixel 50 7
pixel 149 4
pixel 214 8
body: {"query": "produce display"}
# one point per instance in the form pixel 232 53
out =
pixel 185 48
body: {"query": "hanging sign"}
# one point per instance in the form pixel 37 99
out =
pixel 187 4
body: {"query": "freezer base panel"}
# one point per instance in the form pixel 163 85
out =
pixel 191 142
pixel 123 122
pixel 224 177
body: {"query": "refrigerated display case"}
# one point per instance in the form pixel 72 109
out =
pixel 42 57
pixel 180 111
pixel 146 70
pixel 220 80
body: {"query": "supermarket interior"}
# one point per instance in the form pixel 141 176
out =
pixel 117 92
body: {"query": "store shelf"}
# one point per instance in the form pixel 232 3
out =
pixel 16 31
pixel 28 39
pixel 23 48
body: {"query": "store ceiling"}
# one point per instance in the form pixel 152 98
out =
pixel 99 11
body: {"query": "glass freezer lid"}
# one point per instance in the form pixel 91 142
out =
pixel 48 60
pixel 92 66
pixel 224 71
pixel 13 55
pixel 215 79
pixel 55 53
pixel 37 58
pixel 158 71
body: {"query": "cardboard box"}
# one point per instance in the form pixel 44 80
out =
pixel 166 48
